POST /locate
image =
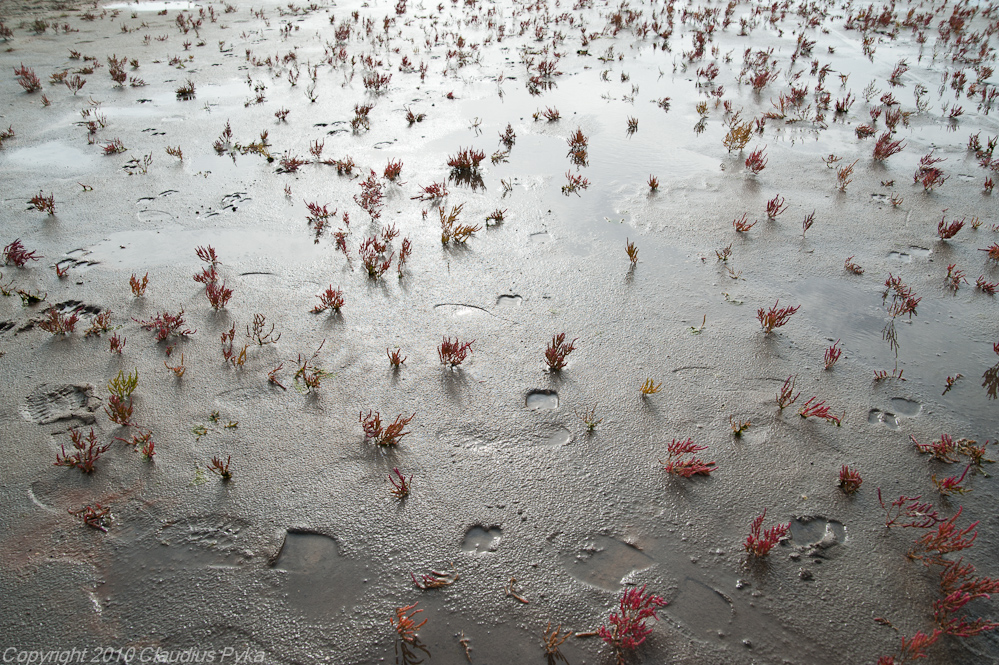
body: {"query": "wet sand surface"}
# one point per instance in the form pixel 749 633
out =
pixel 532 518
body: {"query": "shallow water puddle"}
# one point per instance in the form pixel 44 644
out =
pixel 509 300
pixel 51 156
pixel 541 399
pixel 480 539
pixel 560 437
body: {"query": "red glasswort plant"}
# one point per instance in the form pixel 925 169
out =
pixel 370 198
pixel 947 231
pixel 165 324
pixel 907 512
pixel 59 324
pixel 95 516
pixel 218 295
pixel 627 626
pixel 759 543
pixel 686 468
pixel 453 352
pixel 383 436
pixel 405 624
pixel 832 355
pixel 742 225
pixel 786 395
pixel 400 484
pixel 557 352
pixel 775 317
pixel 395 358
pixel 42 203
pixel 775 206
pixel 849 480
pixel 757 160
pixel 819 410
pixel 885 147
pixel 220 468
pixel 330 299
pixel 137 285
pixel 912 648
pixel 86 451
pixel 16 254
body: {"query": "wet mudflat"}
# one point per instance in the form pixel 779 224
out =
pixel 835 159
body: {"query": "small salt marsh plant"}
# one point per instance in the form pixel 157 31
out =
pixel 590 419
pixel 775 206
pixel 86 451
pixel 627 628
pixel 947 231
pixel 843 175
pixel 819 410
pixel 760 541
pixel 631 249
pixel 552 640
pixel 16 254
pixel 370 198
pixel 451 230
pixel 832 355
pixel 757 161
pixel 42 203
pixel 742 224
pixel 309 376
pixel 220 468
pixel 650 387
pixel 453 352
pixel 807 223
pixel 58 323
pixel 678 464
pixel 466 161
pixel 849 480
pixel 165 325
pixel 401 485
pixel 405 624
pixel 186 90
pixel 557 351
pixel 119 406
pixel 95 516
pixel 775 317
pixel 396 359
pixel 786 395
pixel 330 299
pixel 372 253
pixel 137 285
pixel 387 435
pixel 574 183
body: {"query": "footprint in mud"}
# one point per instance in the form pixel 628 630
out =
pixel 480 539
pixel 906 407
pixel 50 403
pixel 816 535
pixel 319 579
pixel 603 562
pixel 886 418
pixel 703 609
pixel 81 310
pixel 5 326
pixel 541 399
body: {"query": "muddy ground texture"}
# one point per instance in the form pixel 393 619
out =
pixel 305 555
